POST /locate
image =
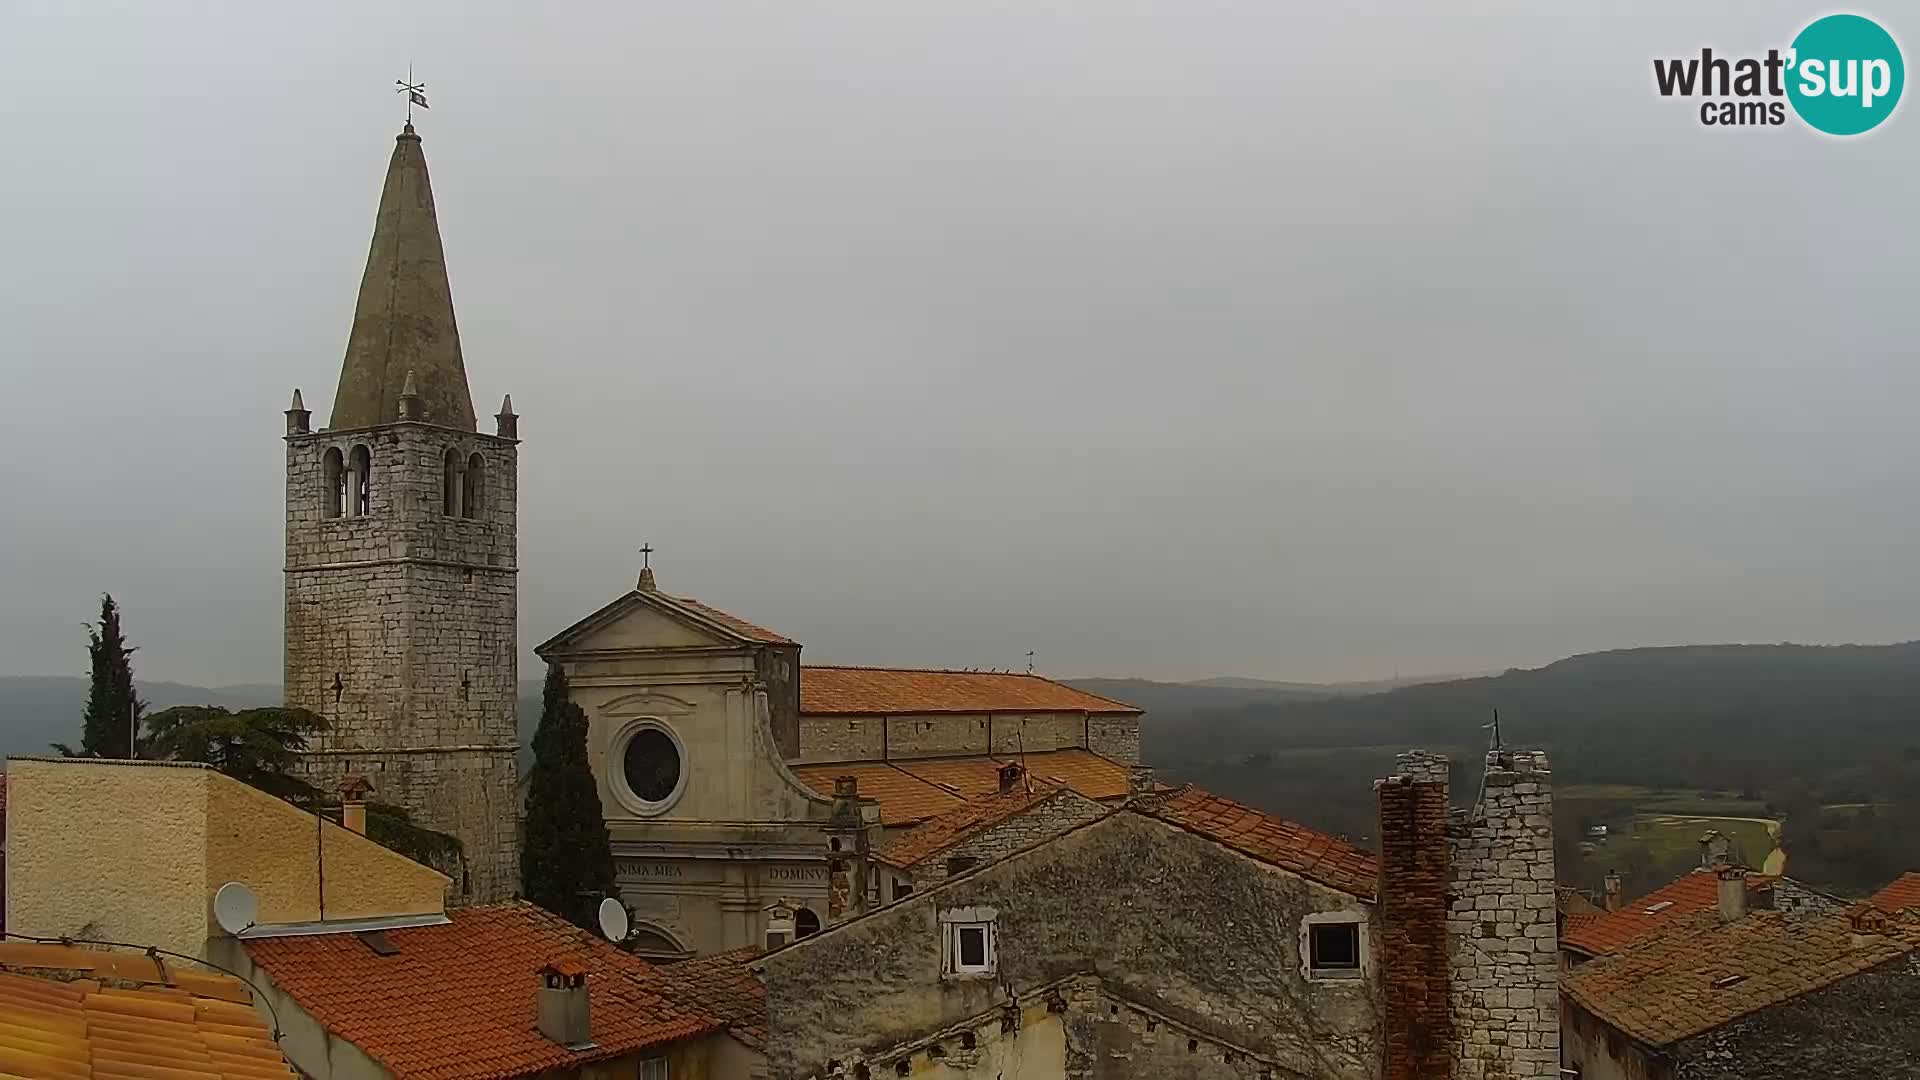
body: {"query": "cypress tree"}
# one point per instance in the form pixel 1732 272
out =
pixel 566 865
pixel 113 709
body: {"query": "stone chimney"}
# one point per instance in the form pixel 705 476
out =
pixel 1013 777
pixel 1733 892
pixel 566 1015
pixel 1612 897
pixel 353 802
pixel 1140 779
pixel 779 924
pixel 852 827
pixel 1410 937
pixel 1715 849
pixel 1466 922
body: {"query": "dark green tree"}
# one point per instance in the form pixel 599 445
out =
pixel 113 712
pixel 255 746
pixel 567 863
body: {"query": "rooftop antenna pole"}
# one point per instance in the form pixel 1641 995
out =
pixel 416 93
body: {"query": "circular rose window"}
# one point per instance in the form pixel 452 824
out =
pixel 652 765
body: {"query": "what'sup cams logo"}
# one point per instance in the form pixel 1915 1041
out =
pixel 1842 75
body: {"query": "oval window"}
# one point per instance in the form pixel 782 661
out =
pixel 652 765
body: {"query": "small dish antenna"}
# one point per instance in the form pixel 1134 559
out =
pixel 234 908
pixel 613 919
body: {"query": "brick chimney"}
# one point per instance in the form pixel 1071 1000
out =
pixel 353 802
pixel 1466 921
pixel 1411 936
pixel 1612 891
pixel 1012 777
pixel 1733 892
pixel 565 1013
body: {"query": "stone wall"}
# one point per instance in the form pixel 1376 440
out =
pixel 874 738
pixel 1503 939
pixel 1048 818
pixel 1117 737
pixel 401 631
pixel 1175 924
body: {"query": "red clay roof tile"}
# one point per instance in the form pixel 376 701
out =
pixel 59 1029
pixel 458 1000
pixel 912 790
pixel 970 818
pixel 1276 841
pixel 852 691
pixel 723 985
pixel 1697 890
pixel 732 623
pixel 1697 972
pixel 1902 892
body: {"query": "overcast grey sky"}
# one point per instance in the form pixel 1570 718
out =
pixel 1169 339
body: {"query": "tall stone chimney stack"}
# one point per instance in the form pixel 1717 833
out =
pixel 1468 944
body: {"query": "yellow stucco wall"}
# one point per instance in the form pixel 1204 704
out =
pixel 108 850
pixel 274 849
pixel 134 852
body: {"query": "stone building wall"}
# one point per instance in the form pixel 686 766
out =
pixel 401 631
pixel 1503 938
pixel 1116 737
pixel 875 738
pixel 1175 924
pixel 1048 818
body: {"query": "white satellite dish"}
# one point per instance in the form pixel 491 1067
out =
pixel 613 919
pixel 234 908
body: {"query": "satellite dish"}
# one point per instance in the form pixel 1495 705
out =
pixel 613 919
pixel 234 908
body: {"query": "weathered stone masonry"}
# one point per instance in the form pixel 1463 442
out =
pixel 400 630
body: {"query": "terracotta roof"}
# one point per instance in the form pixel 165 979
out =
pixel 733 623
pixel 458 1000
pixel 912 790
pixel 1697 890
pixel 1904 892
pixel 1574 902
pixel 1696 973
pixel 178 1025
pixel 1276 841
pixel 970 818
pixel 845 691
pixel 724 986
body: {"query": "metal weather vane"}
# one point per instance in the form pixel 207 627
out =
pixel 416 92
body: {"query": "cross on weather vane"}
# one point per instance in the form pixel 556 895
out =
pixel 416 92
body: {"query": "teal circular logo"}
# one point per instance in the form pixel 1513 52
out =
pixel 1845 75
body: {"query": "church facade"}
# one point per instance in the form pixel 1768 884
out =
pixel 748 795
pixel 401 557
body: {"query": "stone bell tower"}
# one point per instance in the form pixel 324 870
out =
pixel 400 564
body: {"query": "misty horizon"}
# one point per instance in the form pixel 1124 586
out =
pixel 1165 346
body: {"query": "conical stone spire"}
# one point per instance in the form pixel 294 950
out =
pixel 403 322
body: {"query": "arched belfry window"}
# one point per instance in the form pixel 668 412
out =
pixel 360 481
pixel 333 480
pixel 450 484
pixel 473 486
pixel 805 923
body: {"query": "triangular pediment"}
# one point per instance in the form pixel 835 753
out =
pixel 644 620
